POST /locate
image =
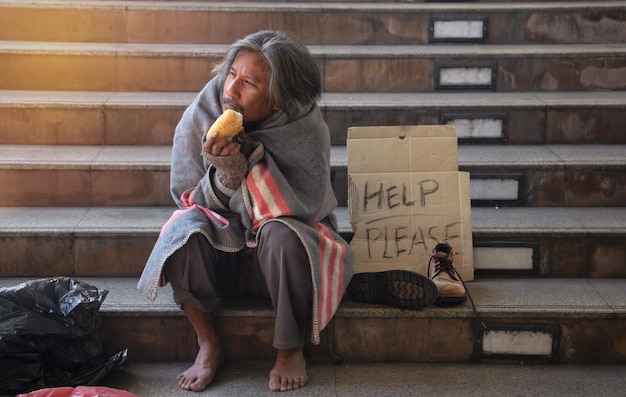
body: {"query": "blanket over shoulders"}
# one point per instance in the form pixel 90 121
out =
pixel 288 181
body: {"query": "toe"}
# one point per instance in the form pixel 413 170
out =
pixel 197 386
pixel 274 383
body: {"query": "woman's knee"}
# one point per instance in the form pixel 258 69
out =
pixel 274 230
pixel 281 248
pixel 278 238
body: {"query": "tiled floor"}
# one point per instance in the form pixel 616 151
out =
pixel 386 379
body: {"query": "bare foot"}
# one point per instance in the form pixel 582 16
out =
pixel 289 372
pixel 202 372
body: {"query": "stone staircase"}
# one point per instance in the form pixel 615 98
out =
pixel 90 93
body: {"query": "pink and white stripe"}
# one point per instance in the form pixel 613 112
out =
pixel 268 200
pixel 332 259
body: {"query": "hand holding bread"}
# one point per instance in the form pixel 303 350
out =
pixel 226 156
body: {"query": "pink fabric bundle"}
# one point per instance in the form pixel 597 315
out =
pixel 80 391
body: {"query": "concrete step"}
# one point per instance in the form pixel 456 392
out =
pixel 249 378
pixel 504 175
pixel 564 320
pixel 149 118
pixel 345 68
pixel 380 1
pixel 116 241
pixel 314 23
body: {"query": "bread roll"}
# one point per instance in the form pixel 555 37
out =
pixel 227 125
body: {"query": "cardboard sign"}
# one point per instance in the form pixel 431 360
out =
pixel 405 195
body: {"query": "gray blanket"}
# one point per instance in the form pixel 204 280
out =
pixel 288 181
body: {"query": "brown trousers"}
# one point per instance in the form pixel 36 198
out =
pixel 278 268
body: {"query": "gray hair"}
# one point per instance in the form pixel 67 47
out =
pixel 294 80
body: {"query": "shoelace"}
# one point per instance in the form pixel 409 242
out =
pixel 443 264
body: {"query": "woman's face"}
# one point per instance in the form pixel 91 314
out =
pixel 246 88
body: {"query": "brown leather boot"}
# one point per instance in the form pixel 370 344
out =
pixel 441 270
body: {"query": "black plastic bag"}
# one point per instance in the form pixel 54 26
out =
pixel 51 335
